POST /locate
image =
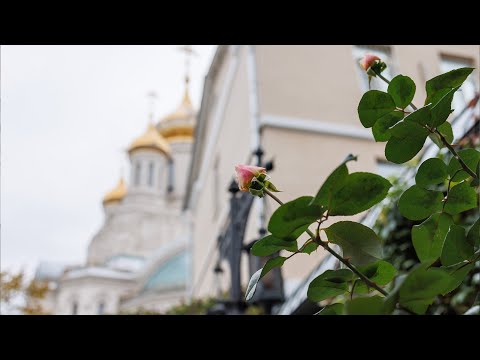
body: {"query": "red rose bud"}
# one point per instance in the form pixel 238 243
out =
pixel 246 173
pixel 368 60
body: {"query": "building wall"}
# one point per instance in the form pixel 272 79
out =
pixel 231 147
pixel 299 84
pixel 88 293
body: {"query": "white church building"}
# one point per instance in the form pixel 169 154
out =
pixel 138 260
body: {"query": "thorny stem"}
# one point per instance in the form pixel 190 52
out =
pixel 344 261
pixel 442 138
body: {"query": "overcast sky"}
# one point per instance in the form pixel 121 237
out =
pixel 68 113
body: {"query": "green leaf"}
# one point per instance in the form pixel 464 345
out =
pixel 380 272
pixel 432 172
pixel 293 215
pixel 442 109
pixel 311 247
pixel 334 309
pixel 421 116
pixel 270 245
pixel 446 130
pixel 402 90
pixel 470 157
pixel 421 286
pixel 334 181
pixel 330 283
pixel 448 80
pixel 473 236
pixel 373 305
pixel 456 247
pixel 417 203
pixel 357 241
pixel 429 236
pixel 406 141
pixel 458 273
pixel 461 198
pixel 359 192
pixel 269 265
pixel 272 264
pixel 373 105
pixel 381 129
pixel 391 299
pixel 252 284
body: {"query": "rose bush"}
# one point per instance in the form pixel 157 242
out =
pixel 447 251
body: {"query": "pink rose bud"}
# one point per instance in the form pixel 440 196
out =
pixel 245 175
pixel 368 60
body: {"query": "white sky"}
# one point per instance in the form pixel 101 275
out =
pixel 67 115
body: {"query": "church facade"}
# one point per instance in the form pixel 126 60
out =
pixel 138 260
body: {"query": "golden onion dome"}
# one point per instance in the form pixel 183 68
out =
pixel 151 139
pixel 180 124
pixel 117 194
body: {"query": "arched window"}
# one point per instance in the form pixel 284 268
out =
pixel 75 307
pixel 151 168
pixel 136 173
pixel 101 308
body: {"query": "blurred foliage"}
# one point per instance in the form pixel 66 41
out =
pixel 196 307
pixel 20 295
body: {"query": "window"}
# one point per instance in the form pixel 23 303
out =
pixel 389 170
pixel 151 167
pixel 383 52
pixel 137 173
pixel 75 308
pixel 101 308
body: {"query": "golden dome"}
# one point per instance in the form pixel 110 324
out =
pixel 184 110
pixel 117 194
pixel 151 139
pixel 180 124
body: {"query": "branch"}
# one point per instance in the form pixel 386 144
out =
pixel 344 261
pixel 442 138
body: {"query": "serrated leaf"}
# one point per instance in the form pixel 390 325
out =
pixel 428 237
pixel 402 90
pixel 333 182
pixel 270 245
pixel 294 215
pixel 334 309
pixel 358 242
pixel 461 198
pixel 407 140
pixel 417 203
pixel 421 286
pixel 470 157
pixel 372 305
pixel 373 105
pixel 456 247
pixel 359 192
pixel 329 284
pixel 432 172
pixel 381 130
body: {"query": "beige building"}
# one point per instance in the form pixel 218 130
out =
pixel 158 245
pixel 300 104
